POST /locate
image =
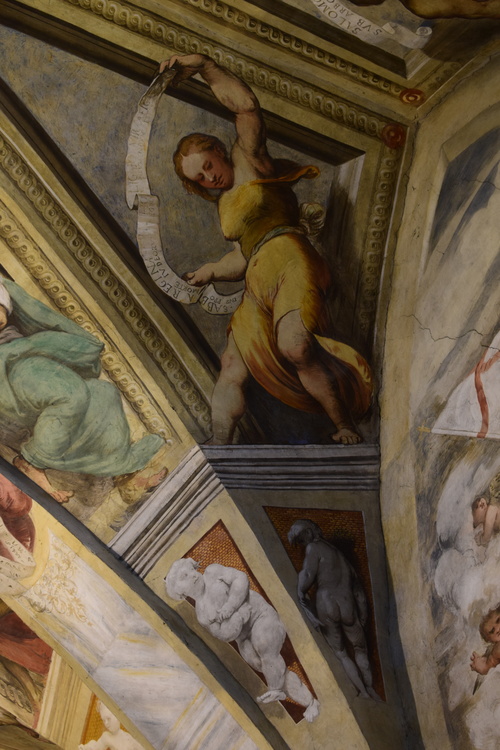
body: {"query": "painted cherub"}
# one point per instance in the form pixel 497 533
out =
pixel 489 627
pixel 114 738
pixel 486 513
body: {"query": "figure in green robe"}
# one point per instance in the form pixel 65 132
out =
pixel 49 375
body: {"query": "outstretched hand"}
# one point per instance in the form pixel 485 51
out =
pixel 478 663
pixel 201 276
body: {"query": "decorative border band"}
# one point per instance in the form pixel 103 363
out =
pixel 292 43
pixel 377 229
pixel 184 42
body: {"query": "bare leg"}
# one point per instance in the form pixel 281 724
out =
pixel 297 345
pixel 298 692
pixel 39 476
pixel 262 652
pixel 275 672
pixel 266 639
pixel 274 676
pixel 356 636
pixel 352 672
pixel 228 399
pixel 333 633
pixel 361 658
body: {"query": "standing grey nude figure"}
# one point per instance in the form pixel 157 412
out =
pixel 341 610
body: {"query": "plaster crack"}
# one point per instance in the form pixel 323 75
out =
pixel 441 338
pixel 485 182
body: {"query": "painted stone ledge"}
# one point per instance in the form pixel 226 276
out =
pixel 296 466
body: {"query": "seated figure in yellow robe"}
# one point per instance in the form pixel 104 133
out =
pixel 278 334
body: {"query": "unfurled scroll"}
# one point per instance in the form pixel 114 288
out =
pixel 139 197
pixel 363 28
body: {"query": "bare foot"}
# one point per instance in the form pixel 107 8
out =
pixel 133 486
pixel 39 476
pixel 147 483
pixel 271 696
pixel 346 436
pixel 312 711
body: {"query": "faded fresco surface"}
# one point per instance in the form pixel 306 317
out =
pixel 249 411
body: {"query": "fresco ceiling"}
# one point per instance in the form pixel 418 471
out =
pixel 182 528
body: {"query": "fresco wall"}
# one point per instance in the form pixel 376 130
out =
pixel 450 447
pixel 205 551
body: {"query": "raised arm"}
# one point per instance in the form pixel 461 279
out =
pixel 236 96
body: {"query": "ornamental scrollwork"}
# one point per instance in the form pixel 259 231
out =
pixel 55 591
pixel 286 87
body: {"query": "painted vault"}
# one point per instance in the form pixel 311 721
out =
pixel 269 520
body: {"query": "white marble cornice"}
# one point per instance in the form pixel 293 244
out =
pixel 203 475
pixel 154 527
pixel 294 467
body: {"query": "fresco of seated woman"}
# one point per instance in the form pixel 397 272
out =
pixel 279 333
pixel 75 422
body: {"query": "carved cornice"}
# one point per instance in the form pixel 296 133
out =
pixel 44 273
pixel 99 272
pixel 377 229
pixel 439 77
pixel 296 467
pixel 301 49
pixel 286 87
pixel 153 528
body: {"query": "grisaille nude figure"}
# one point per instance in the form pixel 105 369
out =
pixel 114 738
pixel 231 611
pixel 340 611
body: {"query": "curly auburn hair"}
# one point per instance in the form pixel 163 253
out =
pixel 197 142
pixel 484 620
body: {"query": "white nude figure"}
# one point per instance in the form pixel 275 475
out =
pixel 231 611
pixel 113 738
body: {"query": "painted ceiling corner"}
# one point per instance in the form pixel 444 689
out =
pixel 249 370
